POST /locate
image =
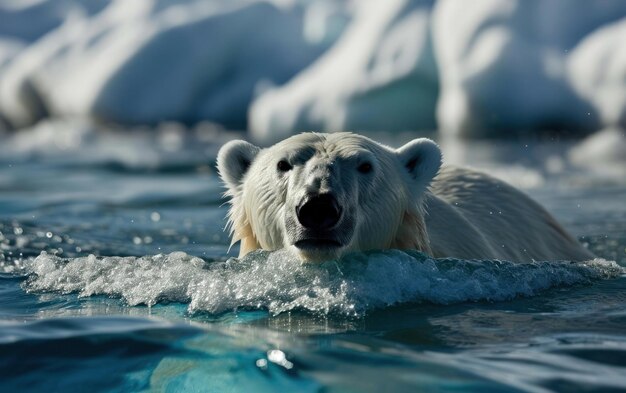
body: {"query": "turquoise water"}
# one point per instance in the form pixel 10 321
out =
pixel 116 276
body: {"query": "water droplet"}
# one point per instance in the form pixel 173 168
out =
pixel 278 357
pixel 49 235
pixel 137 240
pixel 18 230
pixel 155 216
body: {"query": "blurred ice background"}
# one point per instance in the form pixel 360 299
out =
pixel 478 68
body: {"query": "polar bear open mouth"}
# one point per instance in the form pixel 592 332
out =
pixel 306 244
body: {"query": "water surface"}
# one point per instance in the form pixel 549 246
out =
pixel 116 276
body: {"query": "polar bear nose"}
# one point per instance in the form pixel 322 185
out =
pixel 319 213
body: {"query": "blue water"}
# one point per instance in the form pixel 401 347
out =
pixel 116 276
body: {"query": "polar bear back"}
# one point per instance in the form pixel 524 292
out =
pixel 475 216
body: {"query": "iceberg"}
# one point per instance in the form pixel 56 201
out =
pixel 597 71
pixel 380 75
pixel 275 67
pixel 148 61
pixel 518 66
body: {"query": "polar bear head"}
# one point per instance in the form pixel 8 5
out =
pixel 326 194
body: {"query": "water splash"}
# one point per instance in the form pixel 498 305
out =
pixel 279 282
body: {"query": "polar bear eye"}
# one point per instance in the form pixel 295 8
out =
pixel 284 166
pixel 366 167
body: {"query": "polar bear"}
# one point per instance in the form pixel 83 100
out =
pixel 325 195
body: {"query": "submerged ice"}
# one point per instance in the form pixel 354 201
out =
pixel 278 282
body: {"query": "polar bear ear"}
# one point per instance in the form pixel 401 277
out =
pixel 233 161
pixel 422 160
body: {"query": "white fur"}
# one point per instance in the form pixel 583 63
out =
pixel 465 214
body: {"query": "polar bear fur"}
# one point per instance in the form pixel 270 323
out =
pixel 360 195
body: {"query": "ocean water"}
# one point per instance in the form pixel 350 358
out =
pixel 116 275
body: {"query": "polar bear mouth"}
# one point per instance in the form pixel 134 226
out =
pixel 316 244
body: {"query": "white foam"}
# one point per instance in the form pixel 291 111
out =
pixel 278 282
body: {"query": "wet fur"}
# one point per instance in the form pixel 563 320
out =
pixel 460 213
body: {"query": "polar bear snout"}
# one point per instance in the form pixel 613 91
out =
pixel 319 213
pixel 319 228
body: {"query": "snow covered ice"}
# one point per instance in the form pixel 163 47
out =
pixel 476 68
pixel 147 61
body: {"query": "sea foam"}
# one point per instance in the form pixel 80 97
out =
pixel 279 282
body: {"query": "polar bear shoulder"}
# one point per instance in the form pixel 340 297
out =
pixel 470 214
